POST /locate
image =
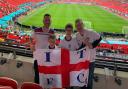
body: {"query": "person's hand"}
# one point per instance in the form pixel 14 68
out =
pixel 32 47
pixel 87 43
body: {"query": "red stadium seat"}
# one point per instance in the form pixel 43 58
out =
pixel 5 81
pixel 6 87
pixel 113 4
pixel 12 5
pixel 29 85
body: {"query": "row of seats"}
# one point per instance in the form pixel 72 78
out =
pixel 19 2
pixel 15 39
pixel 6 8
pixel 121 48
pixel 9 6
pixel 8 83
pixel 25 39
pixel 114 4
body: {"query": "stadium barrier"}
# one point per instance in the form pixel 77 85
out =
pixel 90 26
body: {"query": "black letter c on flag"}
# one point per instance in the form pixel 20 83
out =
pixel 79 77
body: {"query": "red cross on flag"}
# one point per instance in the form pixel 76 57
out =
pixel 62 68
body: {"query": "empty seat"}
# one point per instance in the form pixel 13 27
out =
pixel 29 85
pixel 5 87
pixel 5 81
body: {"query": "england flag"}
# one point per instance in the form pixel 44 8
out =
pixel 60 68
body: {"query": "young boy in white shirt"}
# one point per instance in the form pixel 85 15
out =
pixel 69 42
pixel 52 42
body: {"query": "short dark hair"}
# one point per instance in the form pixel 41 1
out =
pixel 69 26
pixel 53 37
pixel 78 20
pixel 47 15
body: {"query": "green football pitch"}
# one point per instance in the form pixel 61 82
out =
pixel 93 16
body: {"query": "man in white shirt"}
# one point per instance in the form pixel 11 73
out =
pixel 40 40
pixel 90 39
pixel 40 35
pixel 69 42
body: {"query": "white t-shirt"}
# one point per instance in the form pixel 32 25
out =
pixel 41 38
pixel 92 36
pixel 71 45
pixel 48 47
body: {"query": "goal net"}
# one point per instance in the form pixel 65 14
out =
pixel 125 31
pixel 88 24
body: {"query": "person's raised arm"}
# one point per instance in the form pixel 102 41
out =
pixel 96 40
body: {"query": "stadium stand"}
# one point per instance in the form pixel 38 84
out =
pixel 8 6
pixel 118 6
pixel 10 9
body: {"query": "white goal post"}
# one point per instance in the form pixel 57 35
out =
pixel 125 31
